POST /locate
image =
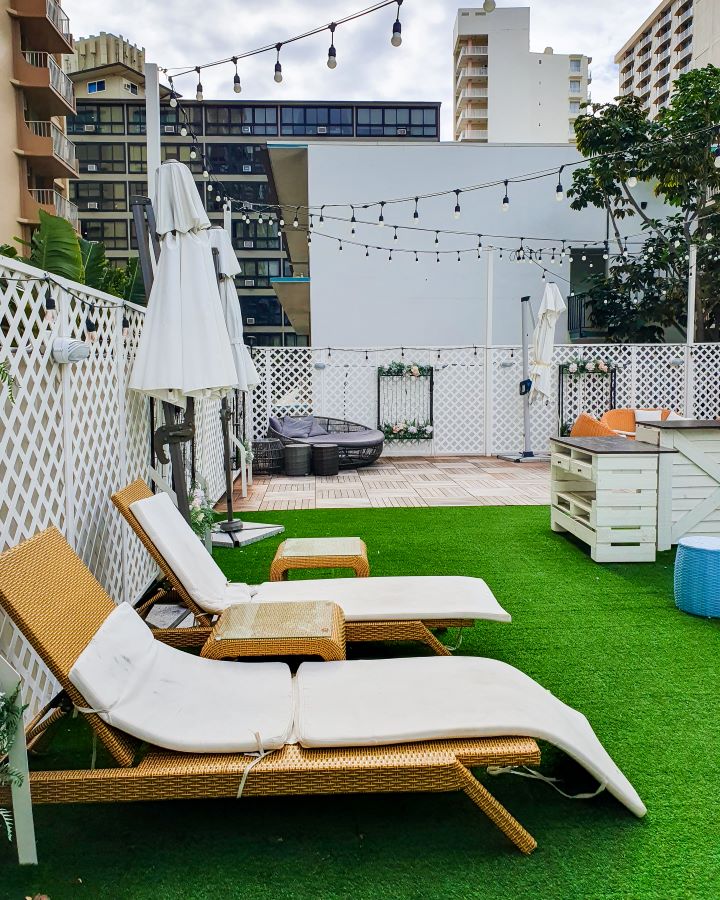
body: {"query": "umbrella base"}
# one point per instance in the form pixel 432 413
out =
pixel 231 526
pixel 251 534
pixel 524 456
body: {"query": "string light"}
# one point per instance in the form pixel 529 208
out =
pixel 237 87
pixel 437 239
pixel 632 181
pixel 456 211
pixel 173 96
pixel 295 220
pixel 321 220
pixel 396 38
pixel 559 191
pixel 199 88
pixel 506 200
pixel 367 250
pixel 278 65
pixel 90 328
pixel 332 52
pixel 381 217
pixel 50 311
pixel 125 327
pixel 395 236
pixel 416 214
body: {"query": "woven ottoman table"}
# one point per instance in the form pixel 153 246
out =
pixel 320 553
pixel 697 575
pixel 278 629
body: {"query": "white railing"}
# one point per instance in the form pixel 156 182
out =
pixel 473 115
pixel 62 147
pixel 475 93
pixel 474 72
pixel 58 18
pixel 473 134
pixel 59 81
pixel 54 199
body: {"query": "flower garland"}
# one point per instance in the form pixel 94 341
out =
pixel 407 431
pixel 598 366
pixel 202 515
pixel 413 370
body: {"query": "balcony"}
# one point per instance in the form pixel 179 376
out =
pixel 44 24
pixel 469 53
pixel 47 148
pixel 473 93
pixel 688 14
pixel 47 88
pixel 49 200
pixel 473 134
pixel 472 115
pixel 468 73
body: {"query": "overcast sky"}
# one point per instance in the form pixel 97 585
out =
pixel 188 33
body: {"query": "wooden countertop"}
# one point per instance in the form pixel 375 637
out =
pixel 683 423
pixel 611 445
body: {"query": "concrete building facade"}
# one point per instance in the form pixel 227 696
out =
pixel 678 36
pixel 36 157
pixel 503 92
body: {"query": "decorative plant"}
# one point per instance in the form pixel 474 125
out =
pixel 202 515
pixel 597 366
pixel 7 379
pixel 413 370
pixel 10 721
pixel 407 431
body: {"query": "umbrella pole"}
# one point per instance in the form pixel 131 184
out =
pixel 176 460
pixel 231 525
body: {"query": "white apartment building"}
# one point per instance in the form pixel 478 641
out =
pixel 506 94
pixel 678 36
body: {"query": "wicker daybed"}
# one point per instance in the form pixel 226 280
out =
pixel 358 445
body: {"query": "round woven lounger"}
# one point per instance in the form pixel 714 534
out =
pixel 358 445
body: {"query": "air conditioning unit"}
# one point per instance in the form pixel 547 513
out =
pixel 169 129
pixel 402 131
pixel 92 167
pixel 89 127
pixel 246 129
pixel 250 320
pixel 93 204
pixel 322 129
pixel 248 244
pixel 247 168
pixel 249 282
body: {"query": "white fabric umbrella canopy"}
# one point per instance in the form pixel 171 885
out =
pixel 543 343
pixel 247 376
pixel 184 349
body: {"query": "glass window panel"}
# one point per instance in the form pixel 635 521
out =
pixel 376 116
pixel 403 116
pixel 416 117
pixel 429 116
pixel 390 116
pixel 137 158
pixel 363 116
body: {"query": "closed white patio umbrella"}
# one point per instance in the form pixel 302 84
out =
pixel 543 343
pixel 184 350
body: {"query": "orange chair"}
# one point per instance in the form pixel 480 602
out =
pixel 587 426
pixel 622 421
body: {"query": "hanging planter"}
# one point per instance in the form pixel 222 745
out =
pixel 407 431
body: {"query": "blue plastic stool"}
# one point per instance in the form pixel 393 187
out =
pixel 697 575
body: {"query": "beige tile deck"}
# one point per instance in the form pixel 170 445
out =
pixel 405 481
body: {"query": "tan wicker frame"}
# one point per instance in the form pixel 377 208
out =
pixel 281 565
pixel 58 605
pixel 405 630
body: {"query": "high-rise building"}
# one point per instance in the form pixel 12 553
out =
pixel 36 158
pixel 678 36
pixel 503 92
pixel 109 129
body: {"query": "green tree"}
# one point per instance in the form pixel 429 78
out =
pixel 643 293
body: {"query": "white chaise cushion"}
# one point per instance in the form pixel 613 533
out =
pixel 397 598
pixel 648 415
pixel 363 703
pixel 184 553
pixel 179 701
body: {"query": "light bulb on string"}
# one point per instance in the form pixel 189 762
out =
pixel 353 220
pixel 125 327
pixel 332 52
pixel 437 239
pixel 237 87
pixel 321 220
pixel 456 211
pixel 193 153
pixel 390 256
pixel 437 256
pixel 278 76
pixel 416 214
pixel 479 246
pixel 395 236
pixel 559 191
pixel 381 217
pixel 367 250
pixel 281 222
pixel 340 246
pixel 458 256
pixel 489 6
pixel 90 328
pixel 50 311
pixel 632 181
pixel 552 258
pixel 396 38
pixel 416 257
pixel 506 200
pixel 606 251
pixel 295 220
pixel 199 88
pixel 173 96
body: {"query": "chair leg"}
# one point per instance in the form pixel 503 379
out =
pixel 495 811
pixel 427 637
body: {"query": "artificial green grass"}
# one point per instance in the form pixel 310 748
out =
pixel 607 639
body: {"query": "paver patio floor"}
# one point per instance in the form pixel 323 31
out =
pixel 405 481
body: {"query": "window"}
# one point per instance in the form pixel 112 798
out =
pixel 574 86
pixel 317 120
pixel 260 271
pixel 574 107
pixel 276 339
pixel 103 196
pixel 96 157
pixel 256 236
pixel 236 159
pixel 241 120
pixel 137 159
pixel 182 152
pixel 249 191
pixel 97 118
pixel 112 233
pixel 396 121
pixel 263 310
pixel 575 65
pixel 130 87
pixel 135 119
pixel 94 87
pixel 173 119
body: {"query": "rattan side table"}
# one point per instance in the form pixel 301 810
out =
pixel 278 629
pixel 320 553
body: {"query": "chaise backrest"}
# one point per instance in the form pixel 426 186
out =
pixel 588 426
pixel 58 605
pixel 123 500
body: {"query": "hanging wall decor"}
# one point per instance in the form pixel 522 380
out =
pixel 405 401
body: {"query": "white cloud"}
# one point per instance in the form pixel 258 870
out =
pixel 369 68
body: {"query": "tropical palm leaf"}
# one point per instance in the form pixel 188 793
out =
pixel 55 248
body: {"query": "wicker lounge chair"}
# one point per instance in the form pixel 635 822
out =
pixel 172 589
pixel 358 445
pixel 59 606
pixel 362 726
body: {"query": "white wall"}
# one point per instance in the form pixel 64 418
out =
pixel 359 301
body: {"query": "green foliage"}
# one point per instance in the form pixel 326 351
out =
pixel 643 294
pixel 95 263
pixel 8 250
pixel 10 720
pixel 7 379
pixel 407 431
pixel 413 370
pixel 54 247
pixel 202 515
